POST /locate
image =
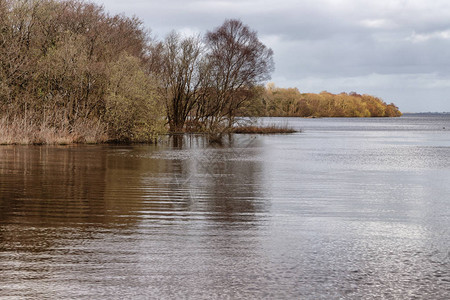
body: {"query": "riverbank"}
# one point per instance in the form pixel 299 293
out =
pixel 21 132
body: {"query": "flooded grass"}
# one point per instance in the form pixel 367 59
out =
pixel 271 129
pixel 20 131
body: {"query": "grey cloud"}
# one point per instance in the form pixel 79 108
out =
pixel 344 45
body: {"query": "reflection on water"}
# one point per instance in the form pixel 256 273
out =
pixel 349 208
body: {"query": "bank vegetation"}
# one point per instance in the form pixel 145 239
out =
pixel 72 73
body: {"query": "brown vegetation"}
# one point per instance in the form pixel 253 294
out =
pixel 290 102
pixel 68 63
pixel 272 129
pixel 67 68
pixel 22 131
pixel 70 72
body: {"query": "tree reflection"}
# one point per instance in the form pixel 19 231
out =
pixel 219 179
pixel 90 187
pixel 79 187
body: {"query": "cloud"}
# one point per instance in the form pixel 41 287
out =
pixel 378 23
pixel 424 37
pixel 377 46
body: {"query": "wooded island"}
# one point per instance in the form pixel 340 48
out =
pixel 289 102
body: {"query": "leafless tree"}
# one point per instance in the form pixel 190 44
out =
pixel 181 77
pixel 238 62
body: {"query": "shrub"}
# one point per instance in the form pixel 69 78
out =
pixel 133 111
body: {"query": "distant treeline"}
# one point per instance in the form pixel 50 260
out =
pixel 70 72
pixel 289 102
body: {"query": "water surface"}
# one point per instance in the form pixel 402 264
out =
pixel 348 208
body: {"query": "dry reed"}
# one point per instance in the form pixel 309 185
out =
pixel 271 129
pixel 26 132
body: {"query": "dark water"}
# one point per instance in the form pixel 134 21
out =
pixel 347 209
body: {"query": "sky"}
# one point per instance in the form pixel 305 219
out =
pixel 398 50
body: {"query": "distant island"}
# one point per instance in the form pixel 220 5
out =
pixel 289 102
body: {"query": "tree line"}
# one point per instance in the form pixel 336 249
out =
pixel 71 72
pixel 69 67
pixel 289 102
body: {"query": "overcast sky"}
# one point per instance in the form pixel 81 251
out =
pixel 398 50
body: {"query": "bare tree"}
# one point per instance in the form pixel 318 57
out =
pixel 180 76
pixel 238 62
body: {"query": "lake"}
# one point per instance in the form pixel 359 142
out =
pixel 345 209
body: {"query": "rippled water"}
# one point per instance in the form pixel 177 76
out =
pixel 346 209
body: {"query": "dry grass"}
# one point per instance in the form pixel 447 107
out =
pixel 90 132
pixel 271 129
pixel 23 132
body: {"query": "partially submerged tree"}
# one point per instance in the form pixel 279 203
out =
pixel 212 80
pixel 181 76
pixel 238 62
